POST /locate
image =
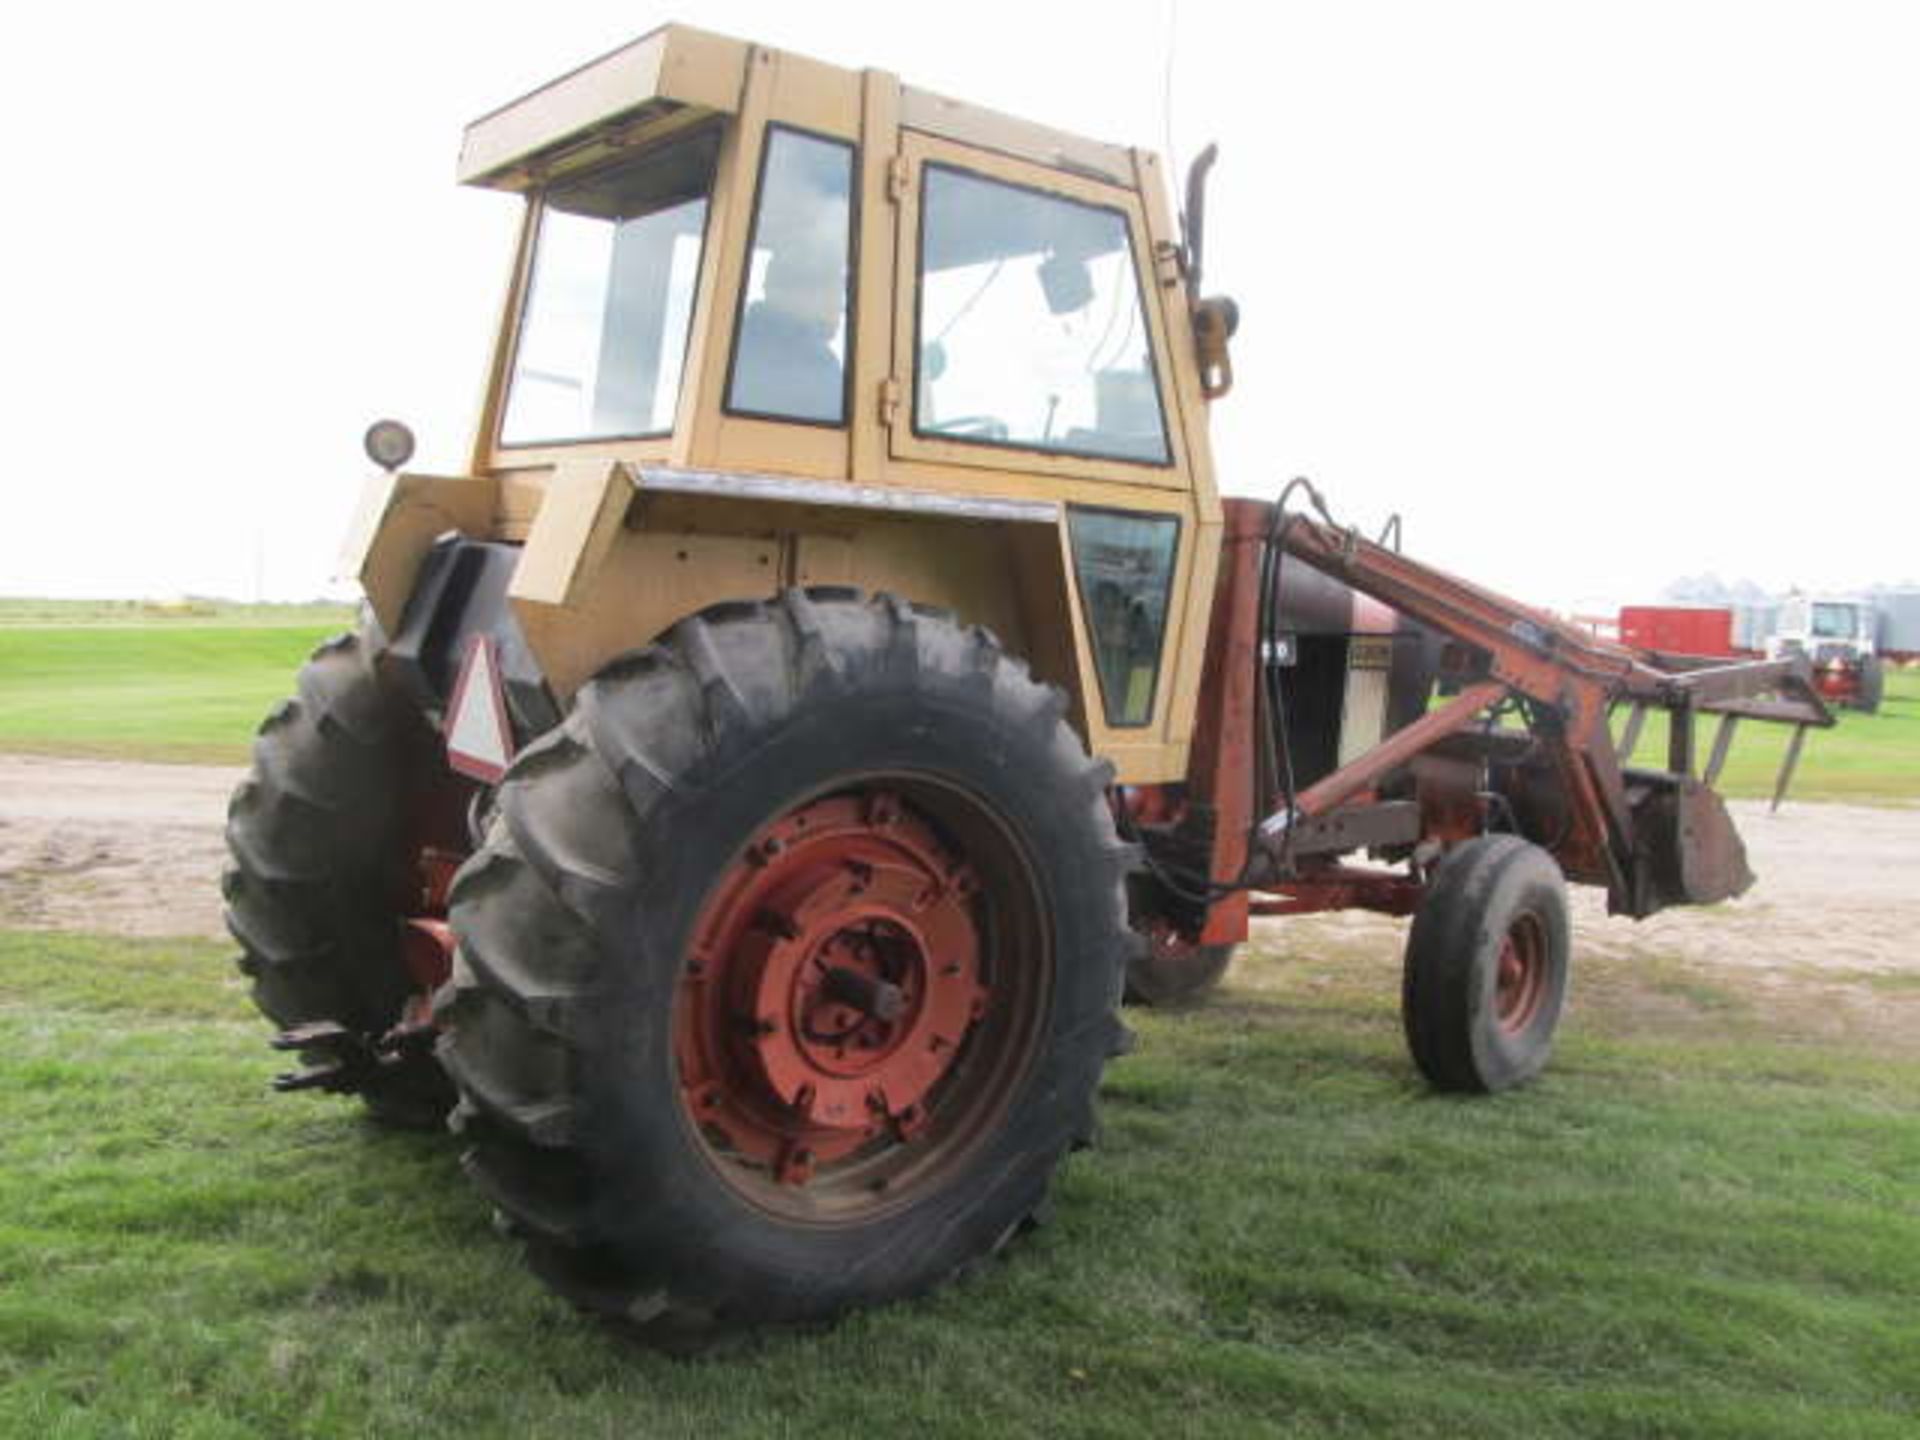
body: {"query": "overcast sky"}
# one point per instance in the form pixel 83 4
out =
pixel 1596 295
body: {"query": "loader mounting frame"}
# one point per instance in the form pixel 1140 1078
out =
pixel 1652 838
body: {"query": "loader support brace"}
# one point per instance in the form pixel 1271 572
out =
pixel 1565 682
pixel 1651 837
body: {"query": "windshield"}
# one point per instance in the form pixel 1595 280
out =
pixel 603 335
pixel 1833 622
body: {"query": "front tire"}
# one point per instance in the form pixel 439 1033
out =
pixel 1486 966
pixel 1168 971
pixel 788 971
pixel 1872 685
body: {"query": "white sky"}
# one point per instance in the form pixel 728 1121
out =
pixel 1597 295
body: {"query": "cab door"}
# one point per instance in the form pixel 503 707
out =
pixel 1031 360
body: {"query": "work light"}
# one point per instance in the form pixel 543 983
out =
pixel 389 444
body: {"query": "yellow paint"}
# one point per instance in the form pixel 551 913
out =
pixel 608 566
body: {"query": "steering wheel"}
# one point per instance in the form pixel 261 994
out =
pixel 971 427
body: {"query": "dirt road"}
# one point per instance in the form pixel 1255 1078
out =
pixel 136 850
pixel 112 847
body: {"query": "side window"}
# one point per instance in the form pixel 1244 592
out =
pixel 1124 565
pixel 1031 327
pixel 790 360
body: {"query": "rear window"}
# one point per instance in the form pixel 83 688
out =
pixel 603 333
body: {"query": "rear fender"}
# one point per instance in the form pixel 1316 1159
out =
pixel 395 524
pixel 617 555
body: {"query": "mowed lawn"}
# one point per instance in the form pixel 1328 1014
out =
pixel 179 690
pixel 83 680
pixel 1705 1221
pixel 1862 759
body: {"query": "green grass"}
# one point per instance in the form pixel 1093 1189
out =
pixel 169 614
pixel 174 690
pixel 1863 758
pixel 1703 1222
pixel 119 679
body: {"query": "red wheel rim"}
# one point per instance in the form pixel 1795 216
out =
pixel 853 1006
pixel 1521 982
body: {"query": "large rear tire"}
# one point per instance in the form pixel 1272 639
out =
pixel 1486 966
pixel 788 970
pixel 319 870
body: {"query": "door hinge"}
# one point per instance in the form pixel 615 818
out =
pixel 899 176
pixel 889 402
pixel 1169 264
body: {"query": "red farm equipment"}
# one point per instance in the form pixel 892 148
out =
pixel 1702 630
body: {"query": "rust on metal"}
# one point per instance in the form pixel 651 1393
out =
pixel 1447 798
pixel 426 944
pixel 1520 975
pixel 1342 887
pixel 1567 681
pixel 1361 774
pixel 1360 827
pixel 1651 838
pixel 1222 768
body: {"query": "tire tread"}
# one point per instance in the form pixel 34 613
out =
pixel 552 864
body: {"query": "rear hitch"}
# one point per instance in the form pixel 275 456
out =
pixel 340 1061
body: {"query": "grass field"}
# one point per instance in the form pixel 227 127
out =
pixel 1702 1223
pixel 122 681
pixel 1864 758
pixel 172 615
pixel 184 688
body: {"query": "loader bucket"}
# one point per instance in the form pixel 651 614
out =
pixel 1685 848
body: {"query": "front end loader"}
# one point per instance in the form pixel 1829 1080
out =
pixel 834 679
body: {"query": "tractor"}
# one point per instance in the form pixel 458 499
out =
pixel 1836 634
pixel 835 681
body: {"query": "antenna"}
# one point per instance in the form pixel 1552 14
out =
pixel 1166 93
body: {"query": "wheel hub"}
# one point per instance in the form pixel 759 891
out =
pixel 835 975
pixel 1521 979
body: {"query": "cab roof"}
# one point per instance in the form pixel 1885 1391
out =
pixel 686 74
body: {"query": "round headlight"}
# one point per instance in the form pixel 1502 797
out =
pixel 389 444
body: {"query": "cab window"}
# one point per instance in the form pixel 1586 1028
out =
pixel 1834 622
pixel 603 333
pixel 1124 562
pixel 1031 330
pixel 790 360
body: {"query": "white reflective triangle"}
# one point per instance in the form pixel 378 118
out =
pixel 479 735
